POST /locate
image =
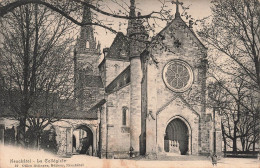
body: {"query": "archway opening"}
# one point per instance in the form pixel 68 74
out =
pixel 82 140
pixel 176 139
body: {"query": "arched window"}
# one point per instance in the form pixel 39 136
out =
pixel 89 69
pixel 124 116
pixel 87 44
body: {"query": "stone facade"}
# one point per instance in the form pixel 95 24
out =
pixel 153 105
pixel 138 95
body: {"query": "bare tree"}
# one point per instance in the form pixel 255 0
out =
pixel 232 35
pixel 36 66
pixel 238 108
pixel 32 77
pixel 234 32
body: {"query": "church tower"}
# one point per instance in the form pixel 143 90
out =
pixel 87 81
pixel 87 51
pixel 137 36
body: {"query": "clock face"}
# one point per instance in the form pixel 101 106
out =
pixel 178 75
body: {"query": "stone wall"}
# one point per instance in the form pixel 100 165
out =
pixel 188 105
pixel 118 135
pixel 64 132
pixel 113 68
pixel 88 60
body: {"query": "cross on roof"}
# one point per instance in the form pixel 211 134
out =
pixel 177 7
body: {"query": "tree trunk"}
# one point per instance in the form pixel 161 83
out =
pixel 242 140
pixel 224 138
pixel 235 139
pixel 254 142
pixel 21 132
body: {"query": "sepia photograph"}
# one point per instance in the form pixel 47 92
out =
pixel 129 83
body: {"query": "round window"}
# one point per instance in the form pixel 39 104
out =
pixel 178 76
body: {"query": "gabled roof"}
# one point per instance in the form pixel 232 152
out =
pixel 96 106
pixel 119 48
pixel 122 80
pixel 66 109
pixel 184 24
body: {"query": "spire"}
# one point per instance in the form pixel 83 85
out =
pixel 86 39
pixel 177 14
pixel 132 8
pixel 131 22
pixel 136 32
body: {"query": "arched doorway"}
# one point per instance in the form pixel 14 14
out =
pixel 82 140
pixel 176 139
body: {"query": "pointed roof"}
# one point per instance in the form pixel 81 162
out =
pixel 86 38
pixel 174 21
pixel 119 48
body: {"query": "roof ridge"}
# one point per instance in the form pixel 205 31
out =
pixel 169 24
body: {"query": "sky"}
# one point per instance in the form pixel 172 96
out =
pixel 198 9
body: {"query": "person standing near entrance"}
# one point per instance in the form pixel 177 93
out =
pixel 214 160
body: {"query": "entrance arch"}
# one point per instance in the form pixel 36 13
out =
pixel 177 138
pixel 82 140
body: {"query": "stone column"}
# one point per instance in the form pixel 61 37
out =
pixel 95 140
pixel 135 103
pixel 103 131
pixel 69 141
pixel 205 122
pixel 190 145
pixel 62 141
pixel 151 111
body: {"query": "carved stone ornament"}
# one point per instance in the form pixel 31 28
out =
pixel 178 75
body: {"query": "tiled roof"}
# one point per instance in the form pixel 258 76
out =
pixel 119 47
pixel 120 81
pixel 66 109
pixel 96 106
pixel 93 81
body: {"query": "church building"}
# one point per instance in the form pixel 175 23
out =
pixel 146 97
pixel 154 92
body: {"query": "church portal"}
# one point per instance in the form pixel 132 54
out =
pixel 176 138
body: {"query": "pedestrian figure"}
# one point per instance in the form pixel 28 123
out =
pixel 131 152
pixel 214 159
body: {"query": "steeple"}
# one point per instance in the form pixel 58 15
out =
pixel 131 22
pixel 87 51
pixel 86 41
pixel 132 8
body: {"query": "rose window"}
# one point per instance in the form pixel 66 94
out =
pixel 178 75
